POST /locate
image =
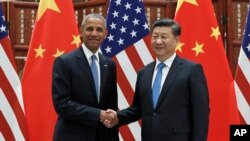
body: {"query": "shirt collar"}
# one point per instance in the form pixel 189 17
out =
pixel 167 62
pixel 88 53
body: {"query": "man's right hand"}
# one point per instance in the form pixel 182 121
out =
pixel 109 118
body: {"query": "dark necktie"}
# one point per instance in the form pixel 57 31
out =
pixel 95 74
pixel 157 84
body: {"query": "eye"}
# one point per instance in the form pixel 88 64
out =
pixel 154 36
pixel 89 29
pixel 100 30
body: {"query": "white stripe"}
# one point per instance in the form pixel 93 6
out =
pixel 127 68
pixel 1 137
pixel 244 64
pixel 120 137
pixel 11 75
pixel 134 127
pixel 242 104
pixel 143 52
pixel 10 117
pixel 122 102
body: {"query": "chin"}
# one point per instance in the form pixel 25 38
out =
pixel 159 52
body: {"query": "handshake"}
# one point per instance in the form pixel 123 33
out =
pixel 109 118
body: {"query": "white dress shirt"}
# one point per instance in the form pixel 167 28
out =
pixel 88 54
pixel 165 70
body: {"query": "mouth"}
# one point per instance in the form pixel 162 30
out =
pixel 93 39
pixel 159 47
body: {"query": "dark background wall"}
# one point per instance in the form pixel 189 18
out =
pixel 231 16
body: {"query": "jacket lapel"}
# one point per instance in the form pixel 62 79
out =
pixel 103 73
pixel 84 65
pixel 148 83
pixel 172 74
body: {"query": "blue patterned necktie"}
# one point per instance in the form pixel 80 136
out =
pixel 157 83
pixel 95 74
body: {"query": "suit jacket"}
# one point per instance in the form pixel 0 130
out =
pixel 75 99
pixel 182 111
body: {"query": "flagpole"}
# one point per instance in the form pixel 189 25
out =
pixel 8 12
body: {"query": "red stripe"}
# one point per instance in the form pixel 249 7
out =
pixel 123 83
pixel 147 41
pixel 13 101
pixel 243 84
pixel 8 49
pixel 5 129
pixel 126 133
pixel 242 121
pixel 134 58
pixel 128 94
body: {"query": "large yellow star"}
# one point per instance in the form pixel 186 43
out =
pixel 179 47
pixel 44 5
pixel 58 53
pixel 215 32
pixel 198 48
pixel 180 2
pixel 76 40
pixel 39 51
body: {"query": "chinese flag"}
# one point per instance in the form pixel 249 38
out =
pixel 54 34
pixel 201 42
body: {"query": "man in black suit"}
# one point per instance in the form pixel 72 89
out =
pixel 84 86
pixel 171 95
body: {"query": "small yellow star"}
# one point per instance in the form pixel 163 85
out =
pixel 198 48
pixel 179 47
pixel 44 5
pixel 76 40
pixel 215 32
pixel 180 2
pixel 58 53
pixel 39 51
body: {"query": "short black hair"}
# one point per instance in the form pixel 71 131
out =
pixel 166 22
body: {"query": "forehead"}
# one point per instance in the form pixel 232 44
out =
pixel 94 22
pixel 162 29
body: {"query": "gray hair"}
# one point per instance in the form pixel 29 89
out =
pixel 93 15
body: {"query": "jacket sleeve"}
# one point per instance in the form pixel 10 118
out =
pixel 199 104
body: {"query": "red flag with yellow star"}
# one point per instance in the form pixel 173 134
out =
pixel 55 33
pixel 201 42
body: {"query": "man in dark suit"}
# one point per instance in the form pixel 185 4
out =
pixel 171 95
pixel 84 86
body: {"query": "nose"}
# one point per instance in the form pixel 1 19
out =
pixel 94 32
pixel 158 41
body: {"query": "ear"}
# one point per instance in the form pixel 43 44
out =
pixel 80 31
pixel 105 33
pixel 177 39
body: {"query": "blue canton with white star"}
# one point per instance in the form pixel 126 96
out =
pixel 126 24
pixel 246 38
pixel 3 29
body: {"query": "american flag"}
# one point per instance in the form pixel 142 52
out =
pixel 242 76
pixel 127 43
pixel 12 119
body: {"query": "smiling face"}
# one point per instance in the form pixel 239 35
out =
pixel 93 33
pixel 163 42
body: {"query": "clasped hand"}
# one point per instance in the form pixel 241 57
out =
pixel 109 118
